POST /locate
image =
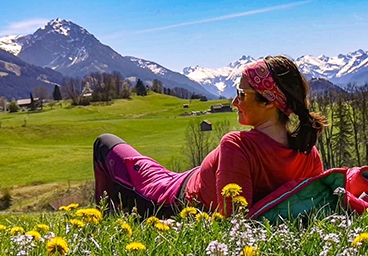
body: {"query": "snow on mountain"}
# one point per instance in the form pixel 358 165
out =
pixel 154 67
pixel 9 44
pixel 59 45
pixel 340 70
pixel 59 26
pixel 221 80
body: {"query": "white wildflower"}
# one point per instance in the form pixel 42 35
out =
pixel 339 191
pixel 215 248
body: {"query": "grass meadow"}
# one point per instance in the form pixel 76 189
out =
pixel 55 145
pixel 91 231
pixel 54 148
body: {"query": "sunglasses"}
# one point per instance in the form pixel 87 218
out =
pixel 240 93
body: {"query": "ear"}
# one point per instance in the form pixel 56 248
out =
pixel 269 105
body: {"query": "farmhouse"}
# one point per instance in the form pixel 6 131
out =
pixel 206 126
pixel 221 108
pixel 87 91
pixel 26 103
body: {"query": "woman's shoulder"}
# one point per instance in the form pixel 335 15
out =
pixel 239 136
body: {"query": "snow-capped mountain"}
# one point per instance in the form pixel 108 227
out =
pixel 221 81
pixel 9 44
pixel 71 50
pixel 340 70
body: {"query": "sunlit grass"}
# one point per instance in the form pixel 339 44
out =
pixel 56 144
pixel 86 232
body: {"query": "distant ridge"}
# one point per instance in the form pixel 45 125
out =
pixel 18 78
pixel 321 87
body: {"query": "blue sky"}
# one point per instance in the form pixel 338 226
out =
pixel 211 34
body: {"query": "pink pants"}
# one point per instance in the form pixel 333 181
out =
pixel 135 180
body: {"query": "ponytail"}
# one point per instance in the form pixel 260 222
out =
pixel 295 87
pixel 309 129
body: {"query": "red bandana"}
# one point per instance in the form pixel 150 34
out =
pixel 260 78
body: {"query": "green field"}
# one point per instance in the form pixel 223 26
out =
pixel 55 145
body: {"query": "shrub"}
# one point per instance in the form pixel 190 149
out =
pixel 13 106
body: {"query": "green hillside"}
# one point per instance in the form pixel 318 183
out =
pixel 55 145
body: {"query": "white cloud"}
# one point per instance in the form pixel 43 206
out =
pixel 23 27
pixel 226 17
pixel 359 17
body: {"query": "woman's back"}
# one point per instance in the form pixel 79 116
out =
pixel 252 160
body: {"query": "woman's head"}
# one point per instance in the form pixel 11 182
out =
pixel 251 109
pixel 278 80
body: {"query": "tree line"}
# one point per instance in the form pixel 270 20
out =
pixel 105 87
pixel 345 141
pixel 97 87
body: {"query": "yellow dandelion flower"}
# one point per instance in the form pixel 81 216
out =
pixel 231 190
pixel 2 227
pixel 240 200
pixel 127 228
pixel 152 219
pixel 36 235
pixel 162 226
pixel 363 237
pixel 77 223
pixel 57 246
pixel 90 215
pixel 41 227
pixel 72 206
pixel 135 246
pixel 200 215
pixel 120 221
pixel 16 230
pixel 186 211
pixel 134 210
pixel 217 216
pixel 250 251
pixel 64 208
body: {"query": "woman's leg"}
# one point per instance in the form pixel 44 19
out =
pixel 131 179
pixel 107 169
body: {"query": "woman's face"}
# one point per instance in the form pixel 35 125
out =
pixel 250 111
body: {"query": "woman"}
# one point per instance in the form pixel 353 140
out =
pixel 259 160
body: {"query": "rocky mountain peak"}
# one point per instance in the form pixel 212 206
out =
pixel 62 27
pixel 59 44
pixel 59 26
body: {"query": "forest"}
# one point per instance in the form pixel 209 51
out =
pixel 345 141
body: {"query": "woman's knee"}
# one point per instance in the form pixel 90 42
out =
pixel 103 144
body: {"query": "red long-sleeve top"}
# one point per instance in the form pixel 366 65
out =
pixel 255 162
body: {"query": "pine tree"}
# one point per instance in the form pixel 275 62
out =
pixel 140 88
pixel 32 105
pixel 57 93
pixel 157 86
pixel 342 139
